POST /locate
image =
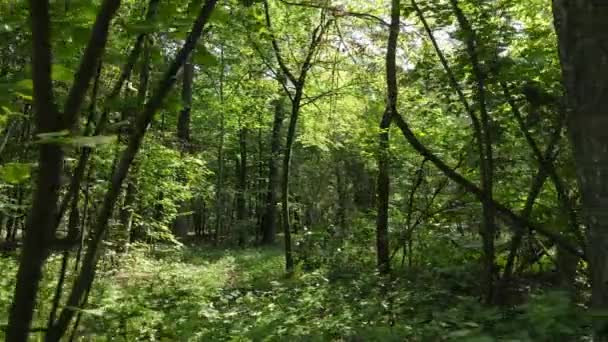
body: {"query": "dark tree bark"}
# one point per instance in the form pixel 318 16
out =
pixel 582 30
pixel 74 232
pixel 269 220
pixel 183 123
pixel 482 132
pixel 342 195
pixel 143 43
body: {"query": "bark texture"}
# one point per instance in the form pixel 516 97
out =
pixel 582 30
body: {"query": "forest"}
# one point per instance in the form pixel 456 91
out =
pixel 303 170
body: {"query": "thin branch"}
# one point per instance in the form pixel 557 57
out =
pixel 317 37
pixel 444 62
pixel 310 100
pixel 126 70
pixel 276 47
pixel 7 135
pixel 477 126
pixel 535 189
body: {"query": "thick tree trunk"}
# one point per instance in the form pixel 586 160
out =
pixel 582 30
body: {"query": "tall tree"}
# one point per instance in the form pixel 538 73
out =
pixel 582 30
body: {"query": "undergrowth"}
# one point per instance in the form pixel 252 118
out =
pixel 209 294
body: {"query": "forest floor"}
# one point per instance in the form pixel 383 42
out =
pixel 209 294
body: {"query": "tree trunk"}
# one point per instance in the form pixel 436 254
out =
pixel 383 190
pixel 342 196
pixel 126 214
pixel 219 194
pixel 582 30
pixel 183 123
pixel 39 226
pixel 241 207
pixel 383 194
pixel 291 132
pixel 181 225
pixel 269 220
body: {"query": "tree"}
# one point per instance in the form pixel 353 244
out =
pixel 269 220
pixel 297 81
pixel 581 38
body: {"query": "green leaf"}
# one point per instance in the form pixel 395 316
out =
pixel 24 89
pixel 202 56
pixel 25 85
pixel 61 73
pixel 15 173
pixel 80 35
pixel 143 27
pixel 219 15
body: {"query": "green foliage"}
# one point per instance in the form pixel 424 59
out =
pixel 168 287
pixel 15 173
pixel 202 293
